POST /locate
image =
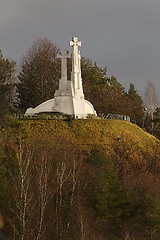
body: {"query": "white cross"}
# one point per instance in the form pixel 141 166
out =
pixel 75 42
pixel 75 54
pixel 63 56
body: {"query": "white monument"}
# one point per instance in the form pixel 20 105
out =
pixel 69 98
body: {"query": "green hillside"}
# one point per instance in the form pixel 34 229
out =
pixel 79 179
pixel 90 132
pixel 87 133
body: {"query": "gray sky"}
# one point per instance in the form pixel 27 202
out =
pixel 123 35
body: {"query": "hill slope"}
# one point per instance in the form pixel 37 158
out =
pixel 92 132
pixel 80 179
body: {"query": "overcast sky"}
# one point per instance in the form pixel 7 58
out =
pixel 123 35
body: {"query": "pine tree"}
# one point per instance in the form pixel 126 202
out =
pixel 7 84
pixel 135 105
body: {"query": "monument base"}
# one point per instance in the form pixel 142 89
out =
pixel 80 109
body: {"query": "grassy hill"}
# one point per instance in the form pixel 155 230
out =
pixel 87 133
pixel 83 179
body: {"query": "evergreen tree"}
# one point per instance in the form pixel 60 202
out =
pixel 104 92
pixel 114 85
pixel 135 104
pixel 132 92
pixel 93 76
pixel 7 84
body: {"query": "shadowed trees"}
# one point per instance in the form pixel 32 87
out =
pixel 7 84
pixel 108 95
pixel 136 109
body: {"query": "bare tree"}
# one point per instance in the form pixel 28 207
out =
pixel 150 97
pixel 42 167
pixel 20 181
pixel 39 75
pixel 151 101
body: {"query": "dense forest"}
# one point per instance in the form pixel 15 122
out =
pixel 75 179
